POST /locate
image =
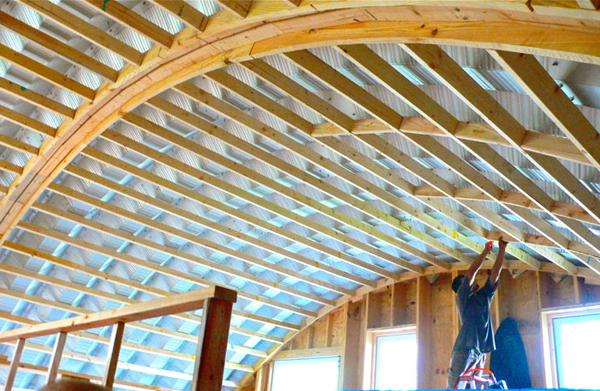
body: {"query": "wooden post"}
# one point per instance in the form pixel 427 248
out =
pixel 14 365
pixel 59 346
pixel 424 334
pixel 212 345
pixel 113 355
pixel 354 346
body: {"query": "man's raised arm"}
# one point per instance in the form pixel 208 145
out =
pixel 472 272
pixel 499 262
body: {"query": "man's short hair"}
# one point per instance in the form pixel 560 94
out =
pixel 456 283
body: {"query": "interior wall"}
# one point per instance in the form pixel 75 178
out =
pixel 428 304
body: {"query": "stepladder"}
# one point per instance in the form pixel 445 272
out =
pixel 479 378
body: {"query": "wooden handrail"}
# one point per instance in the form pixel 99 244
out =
pixel 216 301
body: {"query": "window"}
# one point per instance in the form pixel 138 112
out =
pixel 572 342
pixel 314 374
pixel 394 359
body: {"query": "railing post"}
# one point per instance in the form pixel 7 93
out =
pixel 113 354
pixel 212 345
pixel 59 346
pixel 14 365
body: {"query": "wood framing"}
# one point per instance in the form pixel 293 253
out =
pixel 113 354
pixel 180 303
pixel 316 214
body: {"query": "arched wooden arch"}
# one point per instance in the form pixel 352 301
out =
pixel 538 27
pixel 561 32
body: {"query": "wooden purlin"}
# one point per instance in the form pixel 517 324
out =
pixel 195 219
pixel 342 121
pixel 190 238
pixel 296 91
pixel 155 246
pixel 197 197
pixel 306 153
pixel 478 99
pixel 83 29
pixel 237 7
pixel 198 123
pixel 360 96
pixel 120 13
pixel 183 11
pixel 34 98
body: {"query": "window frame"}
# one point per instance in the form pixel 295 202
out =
pixel 549 348
pixel 371 350
pixel 303 354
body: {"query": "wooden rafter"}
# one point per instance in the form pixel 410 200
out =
pixel 279 164
pixel 338 82
pixel 154 246
pixel 287 85
pixel 237 7
pixel 34 98
pixel 184 12
pixel 46 73
pixel 533 141
pixel 478 99
pixel 122 14
pixel 185 192
pixel 128 259
pixel 57 47
pixel 540 86
pixel 84 29
pixel 199 124
pixel 589 4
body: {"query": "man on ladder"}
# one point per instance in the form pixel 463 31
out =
pixel 476 336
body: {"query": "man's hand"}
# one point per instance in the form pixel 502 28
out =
pixel 502 243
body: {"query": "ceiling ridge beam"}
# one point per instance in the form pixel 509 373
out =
pixel 194 121
pixel 120 13
pixel 195 219
pixel 84 29
pixel 311 156
pixel 34 98
pixel 131 260
pixel 191 238
pixel 211 203
pixel 57 47
pixel 454 77
pixel 155 246
pixel 343 122
pixel 46 73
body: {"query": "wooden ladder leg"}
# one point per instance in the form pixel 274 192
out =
pixel 113 354
pixel 212 345
pixel 59 346
pixel 14 365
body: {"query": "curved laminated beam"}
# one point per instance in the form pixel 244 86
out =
pixel 228 39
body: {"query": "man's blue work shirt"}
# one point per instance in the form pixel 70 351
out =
pixel 474 310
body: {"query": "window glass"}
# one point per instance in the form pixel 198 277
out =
pixel 396 362
pixel 577 343
pixel 312 374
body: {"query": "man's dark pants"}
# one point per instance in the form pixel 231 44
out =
pixel 461 361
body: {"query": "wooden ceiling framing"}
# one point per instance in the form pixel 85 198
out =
pixel 136 107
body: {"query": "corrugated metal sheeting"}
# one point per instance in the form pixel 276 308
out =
pixel 68 239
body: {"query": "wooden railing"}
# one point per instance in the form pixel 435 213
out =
pixel 217 303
